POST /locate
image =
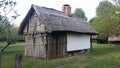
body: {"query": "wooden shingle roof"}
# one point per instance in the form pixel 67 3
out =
pixel 58 21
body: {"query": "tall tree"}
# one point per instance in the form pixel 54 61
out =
pixel 116 2
pixel 106 20
pixel 104 7
pixel 7 15
pixel 79 13
pixel 117 16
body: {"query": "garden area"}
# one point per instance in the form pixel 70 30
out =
pixel 102 56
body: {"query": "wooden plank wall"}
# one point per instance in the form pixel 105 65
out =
pixel 37 49
pixel 29 46
pixel 57 46
pixel 62 46
pixel 35 42
pixel 40 50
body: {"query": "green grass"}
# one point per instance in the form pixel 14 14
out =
pixel 103 56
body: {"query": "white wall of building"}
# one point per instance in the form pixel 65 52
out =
pixel 78 42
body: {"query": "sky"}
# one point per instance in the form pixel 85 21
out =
pixel 88 6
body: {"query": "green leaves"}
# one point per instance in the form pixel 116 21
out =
pixel 79 13
pixel 5 2
pixel 7 8
pixel 104 7
pixel 107 19
pixel 8 32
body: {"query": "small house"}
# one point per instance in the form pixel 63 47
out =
pixel 114 39
pixel 50 33
pixel 94 38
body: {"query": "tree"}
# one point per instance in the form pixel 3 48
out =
pixel 117 15
pixel 116 2
pixel 7 15
pixel 79 13
pixel 104 7
pixel 106 19
pixel 92 20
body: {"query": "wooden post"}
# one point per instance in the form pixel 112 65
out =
pixel 18 61
pixel 46 46
pixel 0 58
pixel 90 43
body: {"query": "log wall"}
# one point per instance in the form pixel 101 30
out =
pixel 35 47
pixel 40 50
pixel 57 46
pixel 29 46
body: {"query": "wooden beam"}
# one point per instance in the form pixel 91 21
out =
pixel 90 43
pixel 46 45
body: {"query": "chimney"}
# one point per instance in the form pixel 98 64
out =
pixel 66 9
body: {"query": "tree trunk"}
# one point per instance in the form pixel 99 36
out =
pixel 5 47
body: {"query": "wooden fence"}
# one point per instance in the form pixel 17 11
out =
pixel 18 60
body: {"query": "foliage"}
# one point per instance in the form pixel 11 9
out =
pixel 8 10
pixel 117 15
pixel 104 7
pixel 6 31
pixel 17 37
pixel 10 34
pixel 80 13
pixel 107 19
pixel 7 14
pixel 92 20
pixel 116 2
pixel 103 56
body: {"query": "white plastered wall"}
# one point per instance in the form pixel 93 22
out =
pixel 78 42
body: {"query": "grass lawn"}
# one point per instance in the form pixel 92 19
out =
pixel 103 56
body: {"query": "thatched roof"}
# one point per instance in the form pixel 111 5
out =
pixel 58 21
pixel 114 38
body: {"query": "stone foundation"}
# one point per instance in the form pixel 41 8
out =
pixel 72 53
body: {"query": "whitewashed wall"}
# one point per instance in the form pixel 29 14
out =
pixel 77 42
